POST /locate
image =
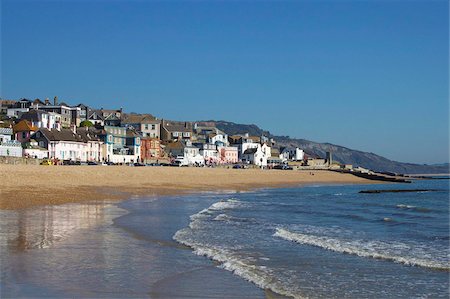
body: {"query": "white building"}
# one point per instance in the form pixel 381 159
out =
pixel 245 146
pixel 18 108
pixel 293 154
pixel 210 154
pixel 218 139
pixel 192 155
pixel 66 144
pixel 257 155
pixel 42 119
pixel 9 147
pixel 33 150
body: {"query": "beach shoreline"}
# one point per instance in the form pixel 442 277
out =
pixel 27 186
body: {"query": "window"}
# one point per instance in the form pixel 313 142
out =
pixel 153 127
pixel 145 127
pixel 24 134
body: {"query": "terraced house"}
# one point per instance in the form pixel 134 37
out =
pixel 70 144
pixel 121 147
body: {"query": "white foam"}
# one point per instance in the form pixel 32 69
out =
pixel 395 252
pixel 224 205
pixel 401 206
pixel 223 217
pixel 259 275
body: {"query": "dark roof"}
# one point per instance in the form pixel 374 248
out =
pixel 175 145
pixel 95 115
pixel 82 106
pixel 38 101
pixel 250 151
pixel 88 134
pixel 82 135
pixel 139 119
pixel 176 126
pixel 59 135
pixel 234 139
pixel 32 115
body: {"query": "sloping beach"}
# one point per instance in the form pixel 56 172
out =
pixel 24 186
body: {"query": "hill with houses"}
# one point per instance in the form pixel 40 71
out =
pixel 66 133
pixel 341 154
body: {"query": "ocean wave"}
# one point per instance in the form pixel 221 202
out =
pixel 225 205
pixel 413 208
pixel 198 218
pixel 228 218
pixel 395 252
pixel 261 276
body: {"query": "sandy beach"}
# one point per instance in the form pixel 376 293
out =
pixel 24 186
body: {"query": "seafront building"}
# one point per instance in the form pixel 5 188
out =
pixel 69 144
pixel 61 132
pixel 9 146
pixel 122 144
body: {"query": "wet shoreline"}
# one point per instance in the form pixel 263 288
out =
pixel 98 250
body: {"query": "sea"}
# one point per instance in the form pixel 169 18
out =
pixel 318 241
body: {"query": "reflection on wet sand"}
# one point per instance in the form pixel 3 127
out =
pixel 78 251
pixel 41 228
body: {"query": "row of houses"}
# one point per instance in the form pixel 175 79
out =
pixel 79 133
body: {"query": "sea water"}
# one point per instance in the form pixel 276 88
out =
pixel 331 241
pixel 314 242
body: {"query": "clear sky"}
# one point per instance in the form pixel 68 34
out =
pixel 369 75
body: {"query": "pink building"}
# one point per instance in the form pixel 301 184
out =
pixel 228 154
pixel 23 130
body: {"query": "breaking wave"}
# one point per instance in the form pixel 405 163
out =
pixel 395 252
pixel 260 275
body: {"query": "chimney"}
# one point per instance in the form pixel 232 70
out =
pixel 58 126
pixel 55 100
pixel 47 101
pixel 73 128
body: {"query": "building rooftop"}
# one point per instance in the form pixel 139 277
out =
pixel 250 151
pixel 24 126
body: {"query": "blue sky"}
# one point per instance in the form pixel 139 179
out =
pixel 369 75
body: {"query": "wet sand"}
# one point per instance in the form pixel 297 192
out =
pixel 25 186
pixel 112 250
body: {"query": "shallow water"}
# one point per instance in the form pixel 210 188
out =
pixel 331 242
pixel 109 250
pixel 316 242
